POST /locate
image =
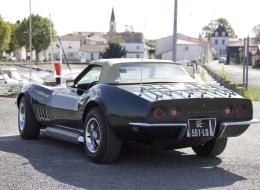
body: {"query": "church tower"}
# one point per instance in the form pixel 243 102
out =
pixel 112 23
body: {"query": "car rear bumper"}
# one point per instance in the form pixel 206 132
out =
pixel 178 130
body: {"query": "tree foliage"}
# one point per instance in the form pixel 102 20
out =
pixel 13 45
pixel 114 50
pixel 5 33
pixel 212 26
pixel 40 33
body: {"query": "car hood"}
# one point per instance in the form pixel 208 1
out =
pixel 167 91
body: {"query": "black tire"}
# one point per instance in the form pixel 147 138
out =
pixel 30 128
pixel 110 145
pixel 211 148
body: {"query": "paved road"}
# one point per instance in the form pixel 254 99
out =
pixel 236 73
pixel 50 164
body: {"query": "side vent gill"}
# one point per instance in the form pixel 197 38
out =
pixel 43 115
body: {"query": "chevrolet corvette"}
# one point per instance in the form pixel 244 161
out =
pixel 114 101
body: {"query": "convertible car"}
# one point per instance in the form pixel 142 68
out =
pixel 115 101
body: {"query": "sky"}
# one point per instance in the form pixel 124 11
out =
pixel 152 17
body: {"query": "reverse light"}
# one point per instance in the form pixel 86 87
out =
pixel 227 111
pixel 174 112
pixel 240 110
pixel 158 113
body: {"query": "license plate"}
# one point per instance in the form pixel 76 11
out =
pixel 204 127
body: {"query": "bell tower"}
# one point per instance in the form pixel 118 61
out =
pixel 112 23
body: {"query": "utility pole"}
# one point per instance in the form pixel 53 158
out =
pixel 174 37
pixel 30 37
pixel 51 39
pixel 244 63
pixel 247 61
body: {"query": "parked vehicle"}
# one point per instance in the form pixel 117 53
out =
pixel 222 60
pixel 119 100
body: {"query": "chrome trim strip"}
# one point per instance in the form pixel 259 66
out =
pixel 253 121
pixel 157 124
pixel 73 129
pixel 224 125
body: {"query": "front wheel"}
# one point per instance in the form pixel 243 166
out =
pixel 27 124
pixel 211 148
pixel 102 145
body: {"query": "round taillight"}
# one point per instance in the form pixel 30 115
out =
pixel 158 113
pixel 174 112
pixel 227 111
pixel 240 110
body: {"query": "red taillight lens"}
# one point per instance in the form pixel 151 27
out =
pixel 174 112
pixel 158 113
pixel 227 111
pixel 240 110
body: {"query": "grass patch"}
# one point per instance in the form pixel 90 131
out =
pixel 253 94
pixel 202 75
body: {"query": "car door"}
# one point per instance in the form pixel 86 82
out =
pixel 66 102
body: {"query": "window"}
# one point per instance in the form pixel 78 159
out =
pixel 223 33
pixel 70 47
pixel 137 47
pixel 216 42
pixel 137 55
pixel 216 33
pixel 91 76
pixel 92 56
pixel 223 42
pixel 152 72
pixel 186 48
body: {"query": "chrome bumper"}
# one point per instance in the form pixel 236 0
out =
pixel 224 125
pixel 219 133
pixel 157 124
pixel 253 121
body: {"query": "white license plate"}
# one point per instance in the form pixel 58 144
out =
pixel 201 127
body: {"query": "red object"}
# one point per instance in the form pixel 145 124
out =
pixel 158 113
pixel 240 110
pixel 227 111
pixel 57 68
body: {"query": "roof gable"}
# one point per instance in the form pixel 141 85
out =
pixel 220 31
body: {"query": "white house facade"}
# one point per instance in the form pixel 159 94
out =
pixel 188 48
pixel 219 41
pixel 86 46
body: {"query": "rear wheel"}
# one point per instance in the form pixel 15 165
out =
pixel 102 145
pixel 211 148
pixel 27 123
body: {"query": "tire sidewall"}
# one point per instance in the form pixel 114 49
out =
pixel 103 124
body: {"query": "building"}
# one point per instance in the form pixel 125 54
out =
pixel 235 51
pixel 86 46
pixel 218 41
pixel 188 48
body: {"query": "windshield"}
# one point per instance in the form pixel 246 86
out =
pixel 152 72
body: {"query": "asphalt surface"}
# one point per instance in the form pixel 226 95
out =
pixel 235 72
pixel 51 164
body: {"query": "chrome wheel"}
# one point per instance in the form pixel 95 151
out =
pixel 92 135
pixel 21 116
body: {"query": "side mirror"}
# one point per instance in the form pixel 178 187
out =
pixel 70 82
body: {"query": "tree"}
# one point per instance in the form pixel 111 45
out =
pixel 114 50
pixel 40 33
pixel 13 45
pixel 209 29
pixel 5 33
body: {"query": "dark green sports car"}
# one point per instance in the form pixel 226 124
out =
pixel 150 101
